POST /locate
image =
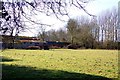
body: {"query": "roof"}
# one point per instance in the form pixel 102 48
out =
pixel 29 41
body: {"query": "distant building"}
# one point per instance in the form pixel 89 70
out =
pixel 18 42
pixel 23 42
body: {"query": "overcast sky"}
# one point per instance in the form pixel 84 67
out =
pixel 94 7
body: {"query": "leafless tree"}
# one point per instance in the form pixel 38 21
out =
pixel 19 12
pixel 95 28
pixel 81 31
pixel 72 26
pixel 42 34
pixel 62 34
pixel 53 35
pixel 108 23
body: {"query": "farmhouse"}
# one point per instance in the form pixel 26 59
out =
pixel 23 42
pixel 18 42
pixel 27 43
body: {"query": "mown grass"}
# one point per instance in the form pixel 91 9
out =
pixel 59 63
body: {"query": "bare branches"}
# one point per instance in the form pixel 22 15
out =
pixel 15 11
pixel 80 5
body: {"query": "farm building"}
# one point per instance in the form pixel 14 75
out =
pixel 19 42
pixel 22 42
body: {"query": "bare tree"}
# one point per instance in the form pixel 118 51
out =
pixel 95 28
pixel 108 28
pixel 108 22
pixel 21 11
pixel 53 35
pixel 42 34
pixel 72 26
pixel 11 18
pixel 62 35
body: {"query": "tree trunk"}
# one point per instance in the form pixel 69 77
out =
pixel 102 36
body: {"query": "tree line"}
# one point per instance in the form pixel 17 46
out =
pixel 96 33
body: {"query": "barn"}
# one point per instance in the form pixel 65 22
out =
pixel 23 42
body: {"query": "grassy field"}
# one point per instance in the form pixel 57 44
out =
pixel 60 63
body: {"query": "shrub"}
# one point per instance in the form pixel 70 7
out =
pixel 73 46
pixel 45 46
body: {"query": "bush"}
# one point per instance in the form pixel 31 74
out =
pixel 73 46
pixel 110 45
pixel 45 46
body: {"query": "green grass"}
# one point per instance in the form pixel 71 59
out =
pixel 60 63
